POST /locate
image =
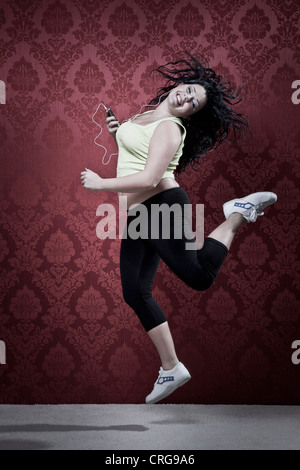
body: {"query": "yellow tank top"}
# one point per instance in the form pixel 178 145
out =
pixel 133 142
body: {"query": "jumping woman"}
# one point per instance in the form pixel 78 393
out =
pixel 192 115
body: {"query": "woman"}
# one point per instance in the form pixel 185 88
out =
pixel 193 114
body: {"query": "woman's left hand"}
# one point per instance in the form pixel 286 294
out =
pixel 91 180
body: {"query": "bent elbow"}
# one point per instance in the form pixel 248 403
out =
pixel 151 182
pixel 154 183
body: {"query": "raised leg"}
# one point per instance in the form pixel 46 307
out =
pixel 225 232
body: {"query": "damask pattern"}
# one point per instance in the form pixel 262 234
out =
pixel 70 338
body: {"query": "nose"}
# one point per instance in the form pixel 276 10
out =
pixel 188 97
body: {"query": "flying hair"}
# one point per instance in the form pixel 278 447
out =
pixel 216 122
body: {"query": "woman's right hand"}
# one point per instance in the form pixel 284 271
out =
pixel 112 124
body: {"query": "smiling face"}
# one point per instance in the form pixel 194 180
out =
pixel 186 99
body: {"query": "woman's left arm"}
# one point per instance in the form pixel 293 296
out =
pixel 163 146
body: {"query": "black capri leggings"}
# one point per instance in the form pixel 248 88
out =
pixel 140 257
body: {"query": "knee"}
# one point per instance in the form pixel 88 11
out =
pixel 133 297
pixel 129 296
pixel 204 282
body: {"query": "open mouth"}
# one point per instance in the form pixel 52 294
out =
pixel 178 98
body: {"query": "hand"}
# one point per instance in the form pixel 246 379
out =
pixel 112 124
pixel 91 180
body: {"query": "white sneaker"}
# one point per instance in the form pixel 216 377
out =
pixel 167 382
pixel 251 206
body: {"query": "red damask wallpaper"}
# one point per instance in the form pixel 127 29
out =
pixel 69 336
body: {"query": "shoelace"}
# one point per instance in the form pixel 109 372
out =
pixel 254 212
pixel 161 371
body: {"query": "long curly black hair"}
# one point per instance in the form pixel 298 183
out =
pixel 213 124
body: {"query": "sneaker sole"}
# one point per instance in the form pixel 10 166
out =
pixel 272 198
pixel 169 391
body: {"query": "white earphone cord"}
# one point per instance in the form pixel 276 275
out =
pixel 101 128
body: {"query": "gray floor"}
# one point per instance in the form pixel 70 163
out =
pixel 149 427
